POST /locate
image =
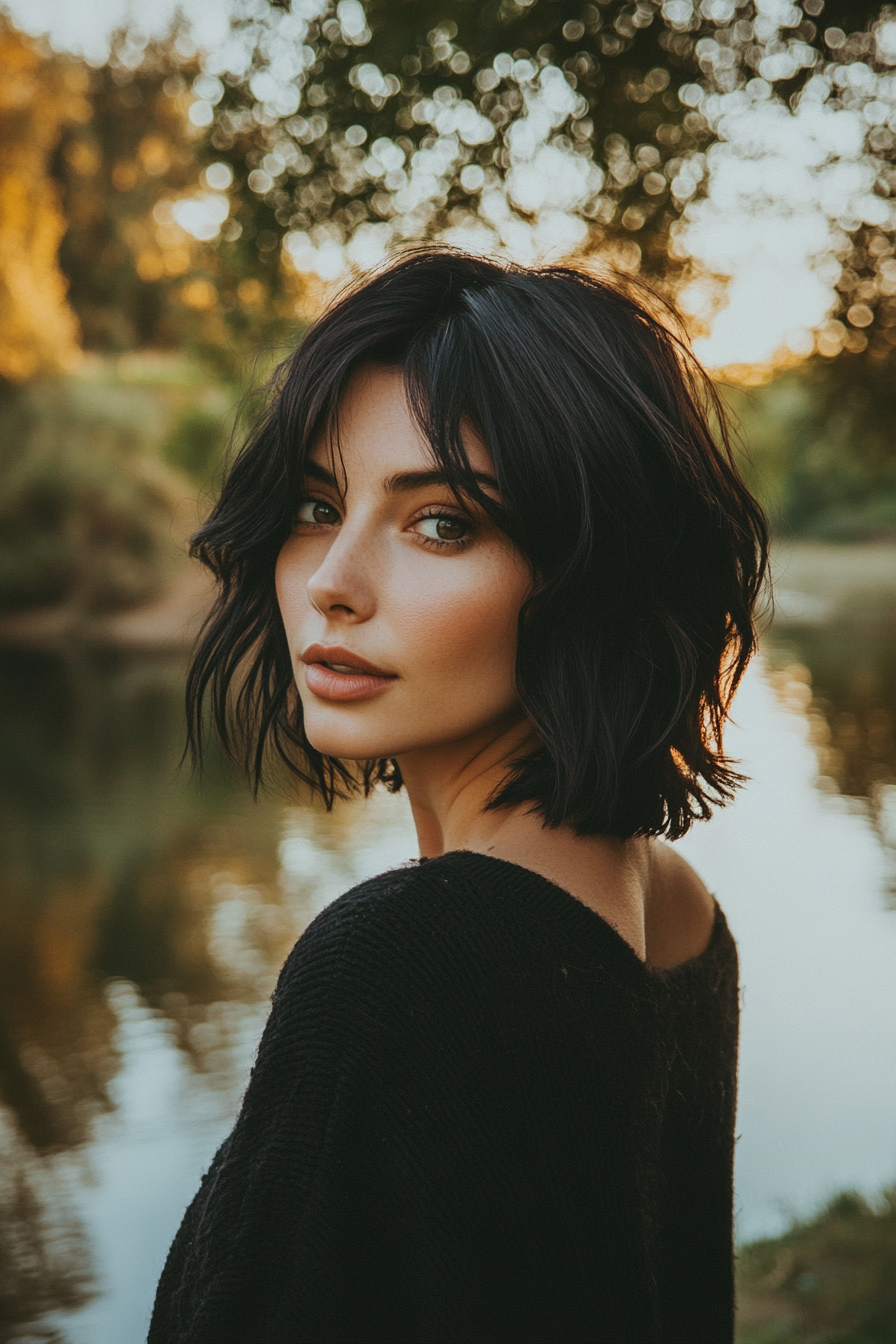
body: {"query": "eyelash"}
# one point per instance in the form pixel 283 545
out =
pixel 432 543
pixel 310 499
pixel 436 543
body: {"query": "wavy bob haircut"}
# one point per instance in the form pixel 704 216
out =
pixel 647 550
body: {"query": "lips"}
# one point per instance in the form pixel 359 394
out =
pixel 335 673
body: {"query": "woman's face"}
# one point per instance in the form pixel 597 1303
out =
pixel 400 606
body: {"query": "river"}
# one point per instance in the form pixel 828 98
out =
pixel 144 919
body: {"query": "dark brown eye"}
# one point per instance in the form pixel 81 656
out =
pixel 443 528
pixel 315 511
pixel 450 529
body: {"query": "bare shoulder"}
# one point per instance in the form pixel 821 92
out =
pixel 679 911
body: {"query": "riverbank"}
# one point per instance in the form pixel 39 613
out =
pixel 169 623
pixel 104 474
pixel 817 583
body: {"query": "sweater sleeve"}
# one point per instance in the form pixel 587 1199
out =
pixel 696 1266
pixel 278 1207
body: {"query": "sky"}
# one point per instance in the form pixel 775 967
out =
pixel 85 27
pixel 764 225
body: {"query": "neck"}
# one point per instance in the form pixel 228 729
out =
pixel 449 788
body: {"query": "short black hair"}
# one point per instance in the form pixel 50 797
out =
pixel 617 482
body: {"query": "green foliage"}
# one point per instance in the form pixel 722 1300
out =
pixel 393 82
pixel 89 475
pixel 38 96
pixel 324 120
pixel 821 448
pixel 136 279
pixel 831 1280
pixel 113 166
pixel 197 442
pixel 86 505
pixel 96 477
pixel 325 123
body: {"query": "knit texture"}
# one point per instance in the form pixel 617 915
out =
pixel 475 1115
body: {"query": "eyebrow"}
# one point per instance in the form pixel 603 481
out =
pixel 402 480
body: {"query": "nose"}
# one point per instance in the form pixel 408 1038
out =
pixel 341 585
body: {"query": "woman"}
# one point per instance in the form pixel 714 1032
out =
pixel 483 546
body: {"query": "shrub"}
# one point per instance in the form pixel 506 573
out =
pixel 829 1280
pixel 86 503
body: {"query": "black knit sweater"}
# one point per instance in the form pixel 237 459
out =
pixel 475 1115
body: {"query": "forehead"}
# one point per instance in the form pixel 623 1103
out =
pixel 376 432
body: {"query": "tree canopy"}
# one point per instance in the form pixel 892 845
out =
pixel 587 127
pixel 37 330
pixel 207 198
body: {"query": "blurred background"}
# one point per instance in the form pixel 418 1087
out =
pixel 180 192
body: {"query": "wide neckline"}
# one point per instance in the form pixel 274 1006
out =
pixel 577 915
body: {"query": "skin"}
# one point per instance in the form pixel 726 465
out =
pixel 385 564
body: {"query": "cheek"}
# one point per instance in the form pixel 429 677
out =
pixel 461 634
pixel 291 577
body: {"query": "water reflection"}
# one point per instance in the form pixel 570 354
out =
pixel 144 920
pixel 831 656
pixel 110 868
pixel 45 1261
pixel 141 912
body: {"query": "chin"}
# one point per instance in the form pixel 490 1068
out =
pixel 348 741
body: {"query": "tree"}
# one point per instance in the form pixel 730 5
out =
pixel 843 76
pixel 128 153
pixel 421 119
pixel 351 127
pixel 327 133
pixel 143 253
pixel 38 331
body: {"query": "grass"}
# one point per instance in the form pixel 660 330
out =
pixel 828 1280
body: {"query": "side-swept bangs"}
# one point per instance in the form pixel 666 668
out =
pixel 648 551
